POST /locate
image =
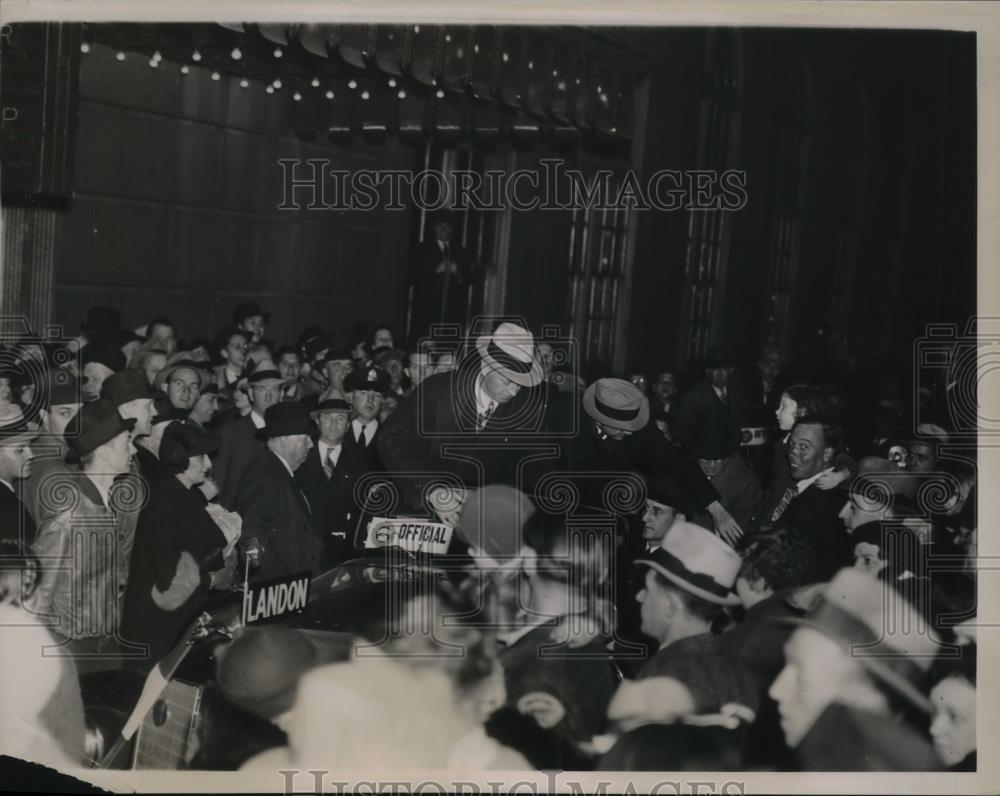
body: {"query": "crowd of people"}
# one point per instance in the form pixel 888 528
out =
pixel 740 572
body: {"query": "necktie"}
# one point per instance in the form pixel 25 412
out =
pixel 328 464
pixel 484 417
pixel 789 495
pixel 360 435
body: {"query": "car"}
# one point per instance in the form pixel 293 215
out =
pixel 189 723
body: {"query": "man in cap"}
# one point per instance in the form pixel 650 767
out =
pixel 233 345
pixel 273 508
pixel 853 680
pixel 240 442
pixel 183 380
pixel 689 581
pixel 16 522
pixel 617 437
pixel 252 320
pixel 366 387
pixel 82 549
pixel 480 407
pixel 327 479
pixel 63 398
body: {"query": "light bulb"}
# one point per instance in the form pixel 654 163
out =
pixel 392 82
pixel 315 82
pixel 120 56
pixel 296 96
pixel 352 84
pixel 278 52
pixel 440 94
pixel 329 95
pixel 85 48
pixel 277 82
pixel 196 56
pixel 216 76
pixel 269 89
pixel 401 94
pixel 365 95
pixel 236 54
pixel 185 69
pixel 244 83
pixel 153 63
pixel 157 56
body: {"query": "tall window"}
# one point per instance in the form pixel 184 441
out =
pixel 597 260
pixel 708 232
pixel 793 143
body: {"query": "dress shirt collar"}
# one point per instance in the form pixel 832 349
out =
pixel 257 420
pixel 324 451
pixel 291 472
pixel 369 429
pixel 483 401
pixel 7 484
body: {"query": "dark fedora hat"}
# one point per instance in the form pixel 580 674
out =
pixel 719 358
pixel 104 353
pixel 286 419
pixel 248 309
pixel 371 378
pixel 331 405
pixel 617 403
pixel 95 424
pixel 127 385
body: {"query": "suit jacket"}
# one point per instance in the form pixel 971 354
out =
pixel 645 452
pixel 275 511
pixel 441 413
pixel 41 491
pixel 239 445
pixel 434 301
pixel 16 522
pixel 812 516
pixel 334 510
pixel 707 426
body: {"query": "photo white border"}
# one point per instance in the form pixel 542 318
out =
pixel 981 17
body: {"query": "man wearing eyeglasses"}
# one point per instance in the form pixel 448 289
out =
pixel 233 349
pixel 240 441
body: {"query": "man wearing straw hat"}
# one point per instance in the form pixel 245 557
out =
pixel 619 438
pixel 476 410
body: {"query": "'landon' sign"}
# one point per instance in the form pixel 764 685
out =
pixel 275 597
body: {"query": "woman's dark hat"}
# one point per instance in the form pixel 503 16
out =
pixel 95 424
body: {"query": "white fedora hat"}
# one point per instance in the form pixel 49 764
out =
pixel 698 561
pixel 511 351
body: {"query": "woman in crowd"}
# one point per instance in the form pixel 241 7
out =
pixel 180 552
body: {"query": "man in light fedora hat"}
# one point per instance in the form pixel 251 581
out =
pixel 619 438
pixel 851 695
pixel 492 397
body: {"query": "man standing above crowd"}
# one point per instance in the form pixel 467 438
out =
pixel 476 410
pixel 252 320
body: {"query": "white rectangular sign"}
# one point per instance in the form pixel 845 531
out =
pixel 412 534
